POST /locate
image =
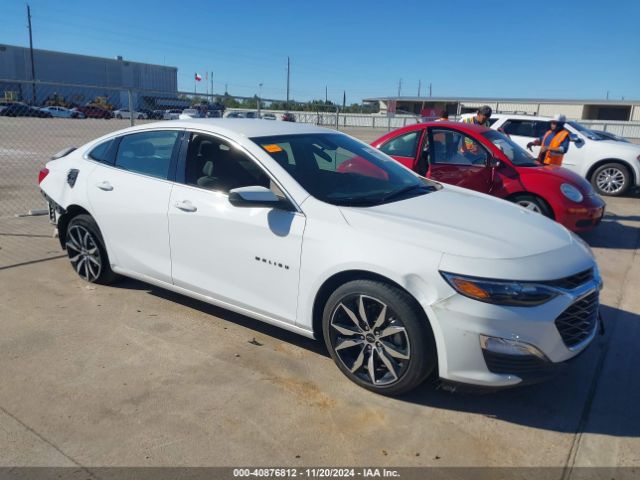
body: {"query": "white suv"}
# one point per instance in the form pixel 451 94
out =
pixel 611 167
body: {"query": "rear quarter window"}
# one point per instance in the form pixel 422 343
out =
pixel 103 152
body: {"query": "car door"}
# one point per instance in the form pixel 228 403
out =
pixel 578 151
pixel 248 257
pixel 456 158
pixel 525 131
pixel 404 148
pixel 129 193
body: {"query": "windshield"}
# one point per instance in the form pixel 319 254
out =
pixel 514 152
pixel 340 170
pixel 590 134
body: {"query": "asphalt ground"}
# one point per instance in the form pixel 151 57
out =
pixel 132 375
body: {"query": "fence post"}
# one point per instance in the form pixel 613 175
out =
pixel 373 121
pixel 131 115
pixel 337 118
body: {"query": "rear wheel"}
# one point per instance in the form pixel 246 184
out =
pixel 611 179
pixel 378 338
pixel 533 203
pixel 86 251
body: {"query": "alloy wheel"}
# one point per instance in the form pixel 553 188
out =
pixel 610 180
pixel 370 340
pixel 529 205
pixel 84 253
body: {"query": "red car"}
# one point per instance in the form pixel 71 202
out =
pixel 488 161
pixel 91 111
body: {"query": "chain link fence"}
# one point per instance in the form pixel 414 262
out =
pixel 65 115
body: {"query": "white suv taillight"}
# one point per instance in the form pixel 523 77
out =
pixel 42 174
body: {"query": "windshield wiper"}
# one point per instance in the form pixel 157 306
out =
pixel 405 190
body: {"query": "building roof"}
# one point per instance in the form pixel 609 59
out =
pixel 77 55
pixel 506 100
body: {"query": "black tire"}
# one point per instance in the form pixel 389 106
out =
pixel 533 203
pixel 413 339
pixel 611 179
pixel 86 251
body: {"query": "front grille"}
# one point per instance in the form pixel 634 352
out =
pixel 573 281
pixel 578 321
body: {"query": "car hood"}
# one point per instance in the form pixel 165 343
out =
pixel 565 175
pixel 620 148
pixel 462 223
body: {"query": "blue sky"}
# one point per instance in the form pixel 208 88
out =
pixel 562 49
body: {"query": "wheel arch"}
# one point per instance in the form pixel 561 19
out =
pixel 604 161
pixel 70 212
pixel 512 196
pixel 340 278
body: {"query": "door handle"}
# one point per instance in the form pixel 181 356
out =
pixel 106 186
pixel 185 206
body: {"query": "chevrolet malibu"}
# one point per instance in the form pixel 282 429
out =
pixel 401 276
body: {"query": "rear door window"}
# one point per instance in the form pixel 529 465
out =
pixel 520 128
pixel 148 153
pixel 403 145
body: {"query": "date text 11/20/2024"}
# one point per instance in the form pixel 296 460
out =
pixel 316 472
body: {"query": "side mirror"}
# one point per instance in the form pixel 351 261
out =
pixel 576 139
pixel 494 162
pixel 257 197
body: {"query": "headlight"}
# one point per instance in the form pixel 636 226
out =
pixel 500 292
pixel 571 192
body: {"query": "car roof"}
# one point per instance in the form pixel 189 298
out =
pixel 520 116
pixel 248 127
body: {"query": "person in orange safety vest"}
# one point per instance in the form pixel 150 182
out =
pixel 554 143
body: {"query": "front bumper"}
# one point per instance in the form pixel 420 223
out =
pixel 462 323
pixel 581 217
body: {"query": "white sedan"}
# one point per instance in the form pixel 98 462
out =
pixel 62 112
pixel 125 113
pixel 315 232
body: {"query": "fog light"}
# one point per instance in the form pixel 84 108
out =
pixel 509 347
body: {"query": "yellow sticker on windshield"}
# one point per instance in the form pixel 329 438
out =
pixel 273 148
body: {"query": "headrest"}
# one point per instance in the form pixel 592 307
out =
pixel 208 169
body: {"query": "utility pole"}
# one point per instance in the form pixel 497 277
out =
pixel 419 86
pixel 399 87
pixel 326 96
pixel 429 89
pixel 607 94
pixel 33 68
pixel 211 83
pixel 288 78
pixel 259 96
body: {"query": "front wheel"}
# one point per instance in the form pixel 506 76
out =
pixel 533 203
pixel 86 251
pixel 378 337
pixel 612 179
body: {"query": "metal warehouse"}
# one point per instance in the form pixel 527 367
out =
pixel 81 79
pixel 619 110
